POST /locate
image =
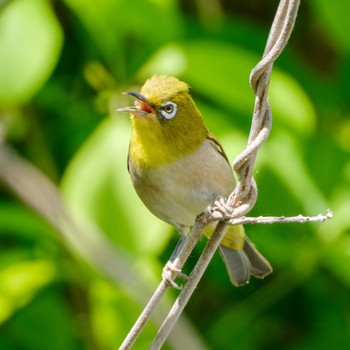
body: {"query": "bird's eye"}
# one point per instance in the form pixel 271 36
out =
pixel 168 110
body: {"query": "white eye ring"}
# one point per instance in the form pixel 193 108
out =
pixel 168 110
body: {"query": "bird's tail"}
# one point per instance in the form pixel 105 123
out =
pixel 242 263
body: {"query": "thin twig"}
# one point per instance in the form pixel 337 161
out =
pixel 176 265
pixel 281 219
pixel 189 287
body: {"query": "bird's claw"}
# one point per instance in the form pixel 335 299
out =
pixel 170 272
pixel 220 209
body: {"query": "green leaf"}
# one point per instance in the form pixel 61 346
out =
pixel 338 258
pixel 123 31
pixel 283 155
pixel 47 323
pixel 112 314
pixel 290 103
pixel 20 282
pixel 334 16
pixel 30 44
pixel 20 222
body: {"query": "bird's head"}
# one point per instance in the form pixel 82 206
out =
pixel 164 115
pixel 164 102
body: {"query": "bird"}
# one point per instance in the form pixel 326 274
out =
pixel 178 168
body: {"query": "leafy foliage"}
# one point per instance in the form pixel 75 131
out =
pixel 63 65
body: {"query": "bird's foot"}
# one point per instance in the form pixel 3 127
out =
pixel 220 209
pixel 170 272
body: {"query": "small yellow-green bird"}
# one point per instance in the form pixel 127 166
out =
pixel 178 168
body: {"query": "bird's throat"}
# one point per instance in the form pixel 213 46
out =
pixel 154 144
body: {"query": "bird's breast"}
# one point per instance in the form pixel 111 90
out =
pixel 177 192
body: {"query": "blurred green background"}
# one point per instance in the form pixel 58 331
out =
pixel 63 66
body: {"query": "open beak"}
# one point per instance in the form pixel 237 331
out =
pixel 142 107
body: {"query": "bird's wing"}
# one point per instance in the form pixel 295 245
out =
pixel 128 161
pixel 216 144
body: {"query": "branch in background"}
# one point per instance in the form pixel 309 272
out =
pixel 40 194
pixel 4 3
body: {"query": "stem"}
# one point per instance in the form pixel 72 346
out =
pixel 176 265
pixel 190 286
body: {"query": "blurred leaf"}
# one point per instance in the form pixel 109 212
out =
pixel 98 188
pixel 334 232
pixel 46 324
pixel 290 103
pixel 112 314
pixel 283 155
pixel 342 133
pixel 339 226
pixel 30 43
pixel 328 324
pixel 123 29
pixel 20 282
pixel 19 221
pixel 338 259
pixel 334 15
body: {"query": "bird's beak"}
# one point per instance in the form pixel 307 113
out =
pixel 143 107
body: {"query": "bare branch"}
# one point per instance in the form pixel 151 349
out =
pixel 190 286
pixel 176 265
pixel 281 219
